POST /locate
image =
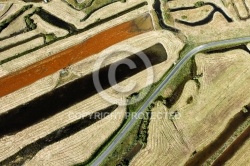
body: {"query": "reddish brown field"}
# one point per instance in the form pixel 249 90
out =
pixel 74 54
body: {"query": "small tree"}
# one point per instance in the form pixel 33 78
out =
pixel 184 17
pixel 199 4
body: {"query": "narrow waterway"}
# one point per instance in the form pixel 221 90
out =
pixel 157 8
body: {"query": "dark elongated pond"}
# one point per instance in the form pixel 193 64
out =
pixel 63 97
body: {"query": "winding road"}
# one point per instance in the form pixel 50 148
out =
pixel 103 155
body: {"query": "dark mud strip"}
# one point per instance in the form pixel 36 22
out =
pixel 233 148
pixel 88 15
pixel 55 21
pixel 182 8
pixel 63 97
pixel 200 157
pixel 206 20
pixel 157 8
pixel 20 42
pixel 29 151
pixel 223 50
pixel 4 24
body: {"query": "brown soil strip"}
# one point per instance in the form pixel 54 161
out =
pixel 200 157
pixel 232 149
pixel 74 54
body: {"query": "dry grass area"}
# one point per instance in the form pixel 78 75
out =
pixel 138 43
pixel 231 9
pixel 180 3
pixel 49 50
pixel 193 15
pixel 28 93
pixel 3 72
pixel 108 11
pixel 165 144
pixel 241 8
pixel 22 48
pixel 18 38
pixel 63 11
pixel 218 28
pixel 247 2
pixel 79 147
pixel 8 106
pixel 56 47
pixel 12 144
pixel 86 66
pixel 241 157
pixel 16 25
pixel 222 94
pixel 5 6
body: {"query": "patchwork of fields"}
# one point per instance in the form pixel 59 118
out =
pixel 53 111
